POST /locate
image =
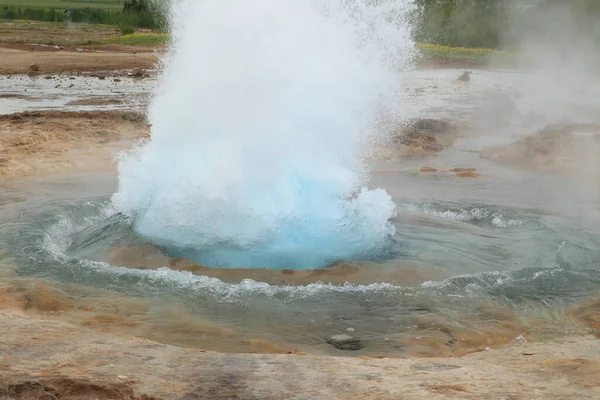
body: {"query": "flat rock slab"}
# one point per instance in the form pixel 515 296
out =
pixel 43 358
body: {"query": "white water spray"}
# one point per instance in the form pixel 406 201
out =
pixel 264 110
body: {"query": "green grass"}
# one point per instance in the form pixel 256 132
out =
pixel 435 53
pixel 136 39
pixel 115 5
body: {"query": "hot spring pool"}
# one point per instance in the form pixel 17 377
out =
pixel 251 223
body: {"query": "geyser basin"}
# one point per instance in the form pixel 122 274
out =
pixel 264 111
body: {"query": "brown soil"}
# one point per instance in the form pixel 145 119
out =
pixel 46 141
pixel 66 388
pixel 62 361
pixel 95 101
pixel 17 61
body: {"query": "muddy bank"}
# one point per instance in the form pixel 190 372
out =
pixel 69 362
pixel 18 61
pixel 45 141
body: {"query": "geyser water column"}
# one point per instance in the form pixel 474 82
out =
pixel 263 113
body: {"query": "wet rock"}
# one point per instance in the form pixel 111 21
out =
pixel 427 144
pixel 34 67
pixel 452 339
pixel 467 174
pixel 66 388
pixel 345 342
pixel 465 77
pixel 458 170
pixel 555 147
pixel 137 73
pixel 427 136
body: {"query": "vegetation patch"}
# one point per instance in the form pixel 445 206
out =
pixel 115 5
pixel 428 52
pixel 127 14
pixel 136 39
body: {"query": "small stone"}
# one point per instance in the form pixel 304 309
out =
pixel 34 67
pixel 345 342
pixel 349 329
pixel 463 170
pixel 137 73
pixel 465 77
pixel 467 174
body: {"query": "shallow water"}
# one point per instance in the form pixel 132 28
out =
pixel 477 262
pixel 63 92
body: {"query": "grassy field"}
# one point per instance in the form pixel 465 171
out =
pixel 16 31
pixel 115 5
pixel 440 54
pixel 60 33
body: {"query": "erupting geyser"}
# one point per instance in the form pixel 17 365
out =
pixel 264 110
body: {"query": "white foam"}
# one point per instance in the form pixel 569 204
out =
pixel 224 291
pixel 258 131
pixel 58 239
pixel 467 214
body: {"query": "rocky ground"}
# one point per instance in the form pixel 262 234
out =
pixel 19 59
pixel 46 141
pixel 47 359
